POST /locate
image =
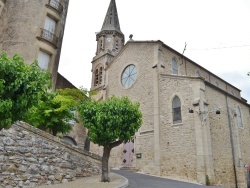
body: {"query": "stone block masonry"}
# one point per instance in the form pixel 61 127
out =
pixel 30 157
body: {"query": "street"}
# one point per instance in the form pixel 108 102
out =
pixel 137 180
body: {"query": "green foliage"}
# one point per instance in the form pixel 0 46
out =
pixel 76 95
pixel 112 120
pixel 55 111
pixel 21 86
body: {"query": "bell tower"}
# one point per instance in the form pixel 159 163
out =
pixel 110 41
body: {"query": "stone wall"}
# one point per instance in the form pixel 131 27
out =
pixel 62 82
pixel 30 157
pixel 178 141
pixel 226 142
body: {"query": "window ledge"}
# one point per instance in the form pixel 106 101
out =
pixel 146 132
pixel 177 124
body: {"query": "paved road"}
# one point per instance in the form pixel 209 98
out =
pixel 137 180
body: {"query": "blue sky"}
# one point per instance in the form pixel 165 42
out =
pixel 217 33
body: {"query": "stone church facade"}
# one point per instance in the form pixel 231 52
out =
pixel 196 125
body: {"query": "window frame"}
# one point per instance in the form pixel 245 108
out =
pixel 197 73
pixel 217 84
pixel 176 110
pixel 98 77
pixel 96 81
pixel 130 77
pixel 117 46
pixel 47 24
pixel 41 65
pixel 175 67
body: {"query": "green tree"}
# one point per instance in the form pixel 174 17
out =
pixel 21 86
pixel 56 110
pixel 77 95
pixel 110 123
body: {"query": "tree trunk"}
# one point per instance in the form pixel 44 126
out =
pixel 54 132
pixel 87 142
pixel 105 163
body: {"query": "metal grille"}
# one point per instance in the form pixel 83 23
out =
pixel 48 36
pixel 56 5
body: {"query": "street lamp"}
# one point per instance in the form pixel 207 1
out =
pixel 203 114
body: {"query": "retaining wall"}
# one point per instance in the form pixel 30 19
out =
pixel 30 157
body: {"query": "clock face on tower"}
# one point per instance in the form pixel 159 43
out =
pixel 129 76
pixel 109 39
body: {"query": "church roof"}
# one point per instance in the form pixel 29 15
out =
pixel 176 52
pixel 111 21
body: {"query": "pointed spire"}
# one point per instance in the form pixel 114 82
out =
pixel 111 21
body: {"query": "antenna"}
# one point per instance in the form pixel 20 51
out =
pixel 183 53
pixel 184 48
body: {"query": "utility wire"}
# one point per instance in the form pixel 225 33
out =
pixel 224 47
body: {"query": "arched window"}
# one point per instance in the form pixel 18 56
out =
pixel 239 118
pixel 116 46
pixel 217 84
pixel 198 74
pixel 100 76
pixel 101 45
pixel 69 140
pixel 174 66
pixel 176 105
pixel 96 77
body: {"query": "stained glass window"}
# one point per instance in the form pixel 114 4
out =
pixel 129 76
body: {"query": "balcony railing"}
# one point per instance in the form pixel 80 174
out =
pixel 50 37
pixel 56 5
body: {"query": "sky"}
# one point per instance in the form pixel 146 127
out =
pixel 217 34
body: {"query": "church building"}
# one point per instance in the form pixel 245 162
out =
pixel 196 126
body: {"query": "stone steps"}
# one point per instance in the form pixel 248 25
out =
pixel 129 168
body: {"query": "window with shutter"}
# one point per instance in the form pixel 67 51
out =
pixel 50 25
pixel 43 60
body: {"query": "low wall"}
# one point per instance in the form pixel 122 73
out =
pixel 30 157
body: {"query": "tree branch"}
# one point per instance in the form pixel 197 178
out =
pixel 114 144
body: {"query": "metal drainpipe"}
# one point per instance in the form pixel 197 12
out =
pixel 231 141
